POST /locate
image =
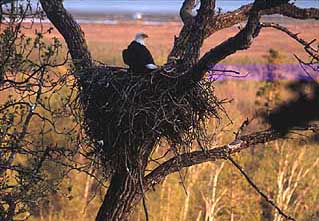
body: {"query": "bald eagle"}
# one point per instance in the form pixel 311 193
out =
pixel 138 57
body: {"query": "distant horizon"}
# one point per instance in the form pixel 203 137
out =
pixel 110 11
pixel 162 7
pixel 156 6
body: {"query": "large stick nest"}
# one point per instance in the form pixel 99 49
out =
pixel 128 111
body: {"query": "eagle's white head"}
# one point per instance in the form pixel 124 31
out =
pixel 140 37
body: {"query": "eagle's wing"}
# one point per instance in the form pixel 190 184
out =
pixel 147 56
pixel 126 57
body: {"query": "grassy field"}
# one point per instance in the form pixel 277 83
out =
pixel 107 41
pixel 214 189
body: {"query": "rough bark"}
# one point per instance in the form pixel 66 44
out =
pixel 118 202
pixel 186 11
pixel 220 21
pixel 71 32
pixel 213 154
pixel 197 30
pixel 128 183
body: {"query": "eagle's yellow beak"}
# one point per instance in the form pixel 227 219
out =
pixel 144 35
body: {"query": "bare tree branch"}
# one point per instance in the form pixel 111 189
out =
pixel 196 39
pixel 228 19
pixel 241 41
pixel 218 153
pixel 70 30
pixel 219 21
pixel 313 52
pixel 187 49
pixel 252 183
pixel 131 161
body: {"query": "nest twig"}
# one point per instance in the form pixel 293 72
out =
pixel 128 111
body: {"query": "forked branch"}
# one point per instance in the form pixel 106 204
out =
pixel 240 41
pixel 229 19
pixel 225 152
pixel 245 37
pixel 220 21
pixel 219 153
pixel 186 11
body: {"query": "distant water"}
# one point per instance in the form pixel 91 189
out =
pixel 110 11
pixel 155 6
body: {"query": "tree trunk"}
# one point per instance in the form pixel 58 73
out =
pixel 126 184
pixel 125 190
pixel 119 200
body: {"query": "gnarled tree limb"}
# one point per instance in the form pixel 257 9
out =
pixel 196 39
pixel 219 153
pixel 240 41
pixel 124 185
pixel 225 152
pixel 228 19
pixel 71 32
pixel 186 11
pixel 225 20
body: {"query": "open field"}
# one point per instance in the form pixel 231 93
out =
pixel 233 198
pixel 107 41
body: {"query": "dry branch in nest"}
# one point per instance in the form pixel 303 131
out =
pixel 128 111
